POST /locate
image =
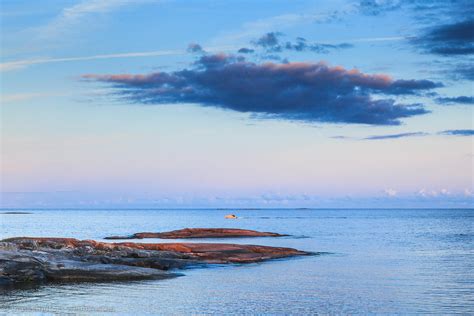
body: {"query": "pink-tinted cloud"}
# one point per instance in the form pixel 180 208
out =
pixel 313 92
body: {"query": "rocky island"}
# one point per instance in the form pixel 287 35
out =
pixel 34 261
pixel 188 233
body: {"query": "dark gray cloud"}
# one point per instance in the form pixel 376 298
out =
pixel 395 136
pixel 195 48
pixel 272 44
pixel 458 132
pixel 302 45
pixel 376 7
pixel 311 92
pixel 456 100
pixel 456 38
pixel 424 10
pixel 460 68
pixel 269 40
pixel 245 50
pixel 446 29
pixel 463 71
pixel 405 87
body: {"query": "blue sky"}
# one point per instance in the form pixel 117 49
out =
pixel 149 103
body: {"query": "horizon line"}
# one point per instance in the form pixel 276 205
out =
pixel 237 209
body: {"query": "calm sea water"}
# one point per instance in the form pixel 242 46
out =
pixel 374 261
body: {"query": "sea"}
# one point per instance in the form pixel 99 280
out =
pixel 367 261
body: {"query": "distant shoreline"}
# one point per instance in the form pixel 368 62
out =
pixel 18 210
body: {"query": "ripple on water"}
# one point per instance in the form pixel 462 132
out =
pixel 370 261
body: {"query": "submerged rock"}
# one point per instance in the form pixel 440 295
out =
pixel 41 260
pixel 200 233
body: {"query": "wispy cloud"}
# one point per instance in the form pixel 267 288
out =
pixel 463 71
pixel 458 132
pixel 391 192
pixel 377 39
pixel 19 97
pixel 395 136
pixel 6 66
pixel 456 100
pixel 341 137
pixel 427 193
pixel 75 15
pixel 252 29
pixel 18 64
pixel 424 9
pixel 455 132
pixel 376 7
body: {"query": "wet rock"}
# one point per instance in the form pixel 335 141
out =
pixel 23 266
pixel 17 268
pixel 41 260
pixel 204 252
pixel 78 271
pixel 200 233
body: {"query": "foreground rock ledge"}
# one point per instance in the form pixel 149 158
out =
pixel 200 233
pixel 41 260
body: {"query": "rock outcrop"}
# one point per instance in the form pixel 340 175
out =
pixel 28 263
pixel 200 233
pixel 27 260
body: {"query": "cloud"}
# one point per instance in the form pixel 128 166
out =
pixel 433 193
pixel 463 71
pixel 268 40
pixel 378 39
pixel 254 28
pixel 20 97
pixel 459 68
pixel 395 136
pixel 272 44
pixel 424 9
pixel 341 137
pixel 376 7
pixel 312 92
pixel 458 132
pixel 444 192
pixel 427 193
pixel 456 100
pixel 195 48
pixel 23 63
pixel 18 64
pixel 449 39
pixel 245 50
pixel 390 192
pixel 79 14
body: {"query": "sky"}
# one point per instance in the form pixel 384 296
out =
pixel 236 104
